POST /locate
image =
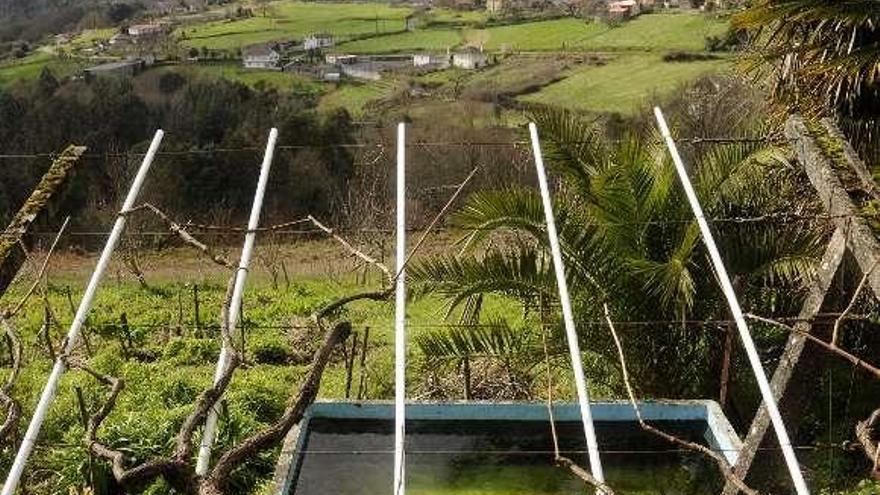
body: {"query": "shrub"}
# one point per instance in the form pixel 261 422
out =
pixel 270 349
pixel 189 351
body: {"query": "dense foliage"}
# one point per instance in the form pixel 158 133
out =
pixel 221 125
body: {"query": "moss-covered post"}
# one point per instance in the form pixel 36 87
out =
pixel 11 253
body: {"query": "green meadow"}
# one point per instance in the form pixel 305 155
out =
pixel 294 20
pixel 622 84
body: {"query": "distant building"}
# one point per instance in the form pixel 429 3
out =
pixel 120 68
pixel 470 59
pixel 494 6
pixel 335 58
pixel 430 60
pixel 145 32
pixel 260 57
pixel 317 41
pixel 623 9
pixel 421 59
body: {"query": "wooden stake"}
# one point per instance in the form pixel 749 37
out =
pixel 466 371
pixel 196 316
pixel 725 366
pixel 47 337
pixel 180 310
pixel 84 419
pixel 362 386
pixel 349 364
pixel 125 338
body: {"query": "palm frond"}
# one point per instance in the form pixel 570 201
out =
pixel 770 255
pixel 821 50
pixel 521 274
pixel 572 146
pixel 494 339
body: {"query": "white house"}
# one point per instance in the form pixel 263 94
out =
pixel 624 8
pixel 317 41
pixel 260 57
pixel 471 58
pixel 430 60
pixel 145 32
pixel 421 59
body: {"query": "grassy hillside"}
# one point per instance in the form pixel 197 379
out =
pixel 28 68
pixel 654 32
pixel 623 83
pixel 293 20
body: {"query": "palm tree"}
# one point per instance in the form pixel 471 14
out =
pixel 629 239
pixel 822 53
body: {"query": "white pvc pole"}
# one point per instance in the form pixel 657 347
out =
pixel 210 430
pixel 567 314
pixel 751 351
pixel 33 431
pixel 400 318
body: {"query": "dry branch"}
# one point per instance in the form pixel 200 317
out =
pixel 856 361
pixel 353 250
pixel 723 466
pixel 30 292
pixel 849 307
pixel 437 217
pixel 13 412
pixel 185 236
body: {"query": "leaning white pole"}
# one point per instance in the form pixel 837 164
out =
pixel 791 461
pixel 210 430
pixel 567 314
pixel 400 318
pixel 30 437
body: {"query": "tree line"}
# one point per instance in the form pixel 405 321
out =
pixel 220 126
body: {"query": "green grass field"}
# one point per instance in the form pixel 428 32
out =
pixel 654 32
pixel 294 20
pixel 623 84
pixel 419 40
pixel 354 97
pixel 28 68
